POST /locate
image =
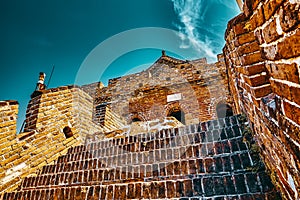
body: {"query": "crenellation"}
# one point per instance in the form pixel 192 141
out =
pixel 46 114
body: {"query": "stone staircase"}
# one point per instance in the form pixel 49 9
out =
pixel 203 161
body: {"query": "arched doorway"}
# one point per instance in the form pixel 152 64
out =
pixel 224 110
pixel 136 117
pixel 178 114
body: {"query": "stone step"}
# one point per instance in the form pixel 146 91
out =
pixel 244 186
pixel 200 150
pixel 208 161
pixel 216 165
pixel 142 143
pixel 224 128
pixel 212 144
pixel 159 156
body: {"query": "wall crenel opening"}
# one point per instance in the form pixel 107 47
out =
pixel 68 132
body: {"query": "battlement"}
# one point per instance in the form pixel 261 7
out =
pixel 56 119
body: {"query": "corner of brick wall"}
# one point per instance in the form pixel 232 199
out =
pixel 43 139
pixel 8 130
pixel 262 55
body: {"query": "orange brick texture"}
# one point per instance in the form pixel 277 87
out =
pixel 43 139
pixel 209 160
pixel 262 55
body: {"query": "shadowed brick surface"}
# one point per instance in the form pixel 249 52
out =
pixel 262 54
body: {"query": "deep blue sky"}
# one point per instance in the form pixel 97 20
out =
pixel 35 35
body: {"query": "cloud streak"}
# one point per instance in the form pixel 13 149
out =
pixel 202 24
pixel 191 14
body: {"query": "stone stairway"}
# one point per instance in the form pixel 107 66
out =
pixel 203 161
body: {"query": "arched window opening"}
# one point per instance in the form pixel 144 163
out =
pixel 178 114
pixel 68 132
pixel 136 119
pixel 224 110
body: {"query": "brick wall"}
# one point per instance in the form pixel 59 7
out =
pixel 144 95
pixel 91 89
pixel 262 55
pixel 43 139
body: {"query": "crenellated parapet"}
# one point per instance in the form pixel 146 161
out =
pixel 56 119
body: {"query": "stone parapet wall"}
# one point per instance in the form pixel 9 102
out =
pixel 59 107
pixel 8 120
pixel 262 54
pixel 49 115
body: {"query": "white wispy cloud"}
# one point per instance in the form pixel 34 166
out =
pixel 229 4
pixel 203 23
pixel 191 14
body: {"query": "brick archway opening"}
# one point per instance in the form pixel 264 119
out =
pixel 177 113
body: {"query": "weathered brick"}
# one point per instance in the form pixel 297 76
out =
pixel 248 48
pixel 137 190
pixel 261 91
pixel 245 38
pixel 188 188
pixel 240 184
pixel 219 186
pixel 270 32
pixel 209 189
pixel 270 52
pixel 257 19
pixel 295 94
pixel 170 189
pixel 254 69
pixel 292 111
pixel 257 80
pixel 289 16
pixel 281 89
pixel 162 189
pixel 252 58
pixel 290 46
pixel 283 71
pixel 130 192
pixel 146 190
pixel 179 189
pixel 117 192
pixel 270 7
